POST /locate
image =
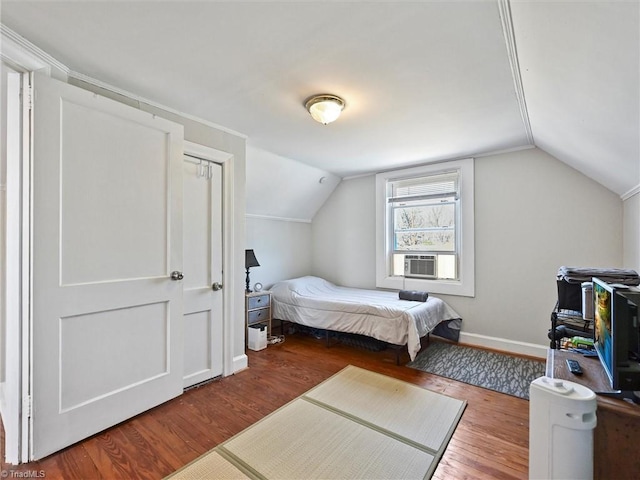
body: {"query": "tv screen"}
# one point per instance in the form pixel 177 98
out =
pixel 602 329
pixel 616 333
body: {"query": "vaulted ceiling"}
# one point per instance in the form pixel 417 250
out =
pixel 423 81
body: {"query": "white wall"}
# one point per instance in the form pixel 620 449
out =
pixel 533 215
pixel 632 232
pixel 283 249
pixel 344 235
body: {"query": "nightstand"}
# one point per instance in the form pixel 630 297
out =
pixel 258 310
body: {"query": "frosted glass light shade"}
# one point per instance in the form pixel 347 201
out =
pixel 325 108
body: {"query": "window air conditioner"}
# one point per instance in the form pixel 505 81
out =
pixel 422 266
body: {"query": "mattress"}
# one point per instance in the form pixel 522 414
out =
pixel 318 303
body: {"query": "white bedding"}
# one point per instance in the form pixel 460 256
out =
pixel 317 303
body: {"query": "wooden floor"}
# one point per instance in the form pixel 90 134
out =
pixel 491 441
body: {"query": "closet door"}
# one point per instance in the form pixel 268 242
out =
pixel 202 216
pixel 107 219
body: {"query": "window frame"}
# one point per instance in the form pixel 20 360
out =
pixel 465 284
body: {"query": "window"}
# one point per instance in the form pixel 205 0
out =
pixel 425 223
pixel 424 212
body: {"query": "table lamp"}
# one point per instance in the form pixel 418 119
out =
pixel 250 260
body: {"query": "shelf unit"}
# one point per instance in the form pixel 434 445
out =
pixel 258 310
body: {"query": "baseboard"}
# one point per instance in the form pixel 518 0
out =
pixel 239 363
pixel 511 346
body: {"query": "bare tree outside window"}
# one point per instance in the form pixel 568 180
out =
pixel 428 227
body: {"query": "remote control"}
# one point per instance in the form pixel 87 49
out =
pixel 574 367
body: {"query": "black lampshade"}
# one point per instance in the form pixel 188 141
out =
pixel 250 259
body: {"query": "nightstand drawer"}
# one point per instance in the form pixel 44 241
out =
pixel 259 301
pixel 259 315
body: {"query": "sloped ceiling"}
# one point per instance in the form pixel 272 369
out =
pixel 423 81
pixel 283 188
pixel 580 65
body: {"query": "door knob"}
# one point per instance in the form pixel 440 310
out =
pixel 176 275
pixel 216 286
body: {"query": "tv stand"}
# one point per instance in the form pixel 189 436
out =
pixel 618 416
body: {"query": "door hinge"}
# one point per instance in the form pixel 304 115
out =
pixel 26 406
pixel 28 97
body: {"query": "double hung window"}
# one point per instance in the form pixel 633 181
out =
pixel 425 213
pixel 425 216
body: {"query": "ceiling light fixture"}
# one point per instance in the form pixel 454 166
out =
pixel 325 108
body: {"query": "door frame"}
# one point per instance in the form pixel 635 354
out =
pixel 21 56
pixel 226 160
pixel 17 285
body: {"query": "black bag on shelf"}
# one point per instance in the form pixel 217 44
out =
pixel 569 296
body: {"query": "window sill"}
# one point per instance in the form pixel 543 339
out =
pixel 441 287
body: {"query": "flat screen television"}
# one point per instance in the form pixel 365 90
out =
pixel 616 334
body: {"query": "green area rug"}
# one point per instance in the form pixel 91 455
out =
pixel 494 371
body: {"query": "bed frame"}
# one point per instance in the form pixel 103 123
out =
pixel 332 340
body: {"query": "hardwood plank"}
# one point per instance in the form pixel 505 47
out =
pixel 74 462
pixel 490 442
pixel 166 445
pixel 111 453
pixel 501 451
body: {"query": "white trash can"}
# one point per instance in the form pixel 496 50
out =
pixel 257 337
pixel 562 416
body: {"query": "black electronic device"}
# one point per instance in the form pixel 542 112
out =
pixel 617 334
pixel 574 366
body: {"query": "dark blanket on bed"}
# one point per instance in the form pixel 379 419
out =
pixel 413 295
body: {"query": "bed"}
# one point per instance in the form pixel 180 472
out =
pixel 318 303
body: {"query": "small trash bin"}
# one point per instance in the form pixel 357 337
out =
pixel 562 416
pixel 257 337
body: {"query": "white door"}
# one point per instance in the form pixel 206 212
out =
pixel 202 257
pixel 107 220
